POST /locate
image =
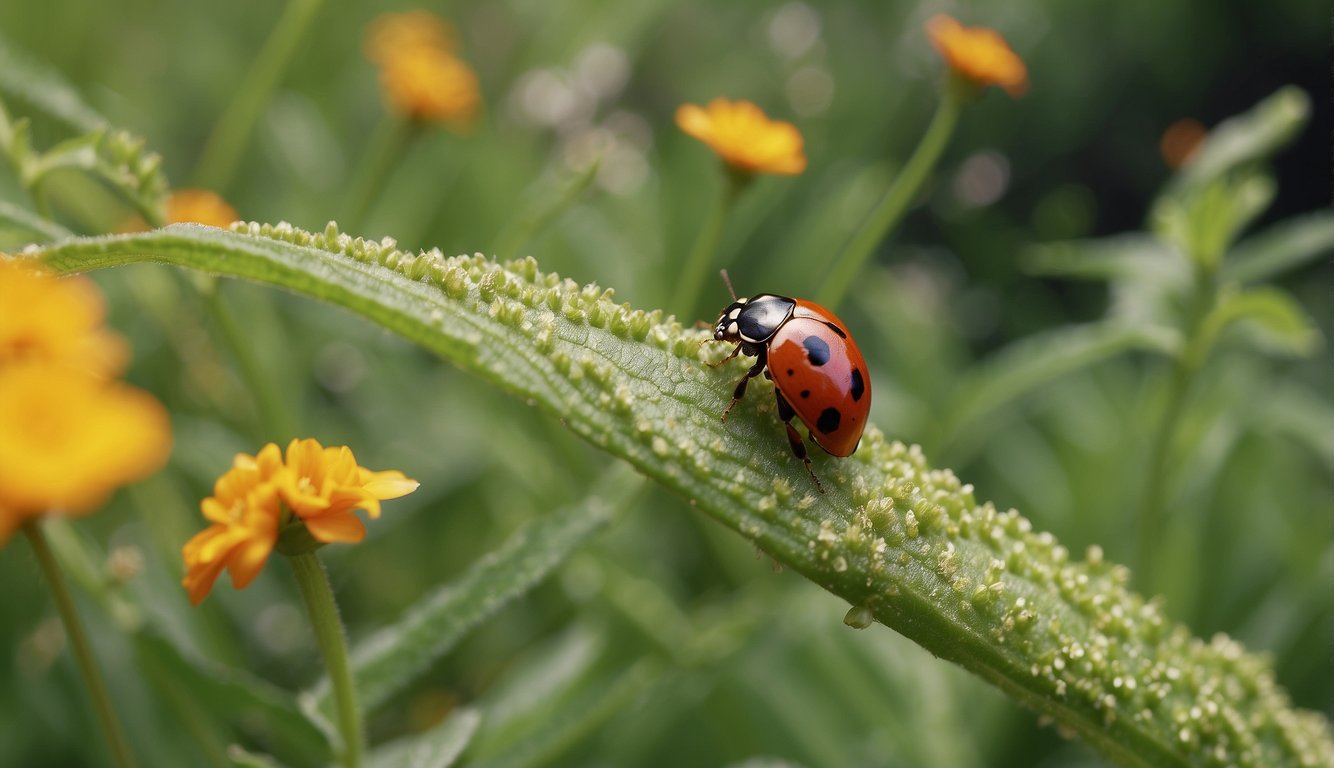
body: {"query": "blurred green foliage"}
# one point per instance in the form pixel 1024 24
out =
pixel 578 672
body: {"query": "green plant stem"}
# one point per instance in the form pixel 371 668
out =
pixel 273 416
pixel 318 596
pixel 701 258
pixel 384 150
pixel 78 640
pixel 1184 368
pixel 228 141
pixel 896 200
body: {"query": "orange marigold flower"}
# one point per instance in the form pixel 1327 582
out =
pixel 326 485
pixel 744 137
pixel 58 320
pixel 245 512
pixel 979 54
pixel 260 494
pixel 430 84
pixel 200 206
pixel 390 32
pixel 67 439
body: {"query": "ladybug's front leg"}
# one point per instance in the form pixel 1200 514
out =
pixel 740 391
pixel 785 412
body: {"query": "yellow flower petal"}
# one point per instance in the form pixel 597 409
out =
pixel 431 85
pixel 979 54
pixel 67 439
pixel 337 526
pixel 200 206
pixel 744 137
pixel 391 32
pixel 57 320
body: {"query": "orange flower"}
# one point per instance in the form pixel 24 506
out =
pixel 412 29
pixel 1180 141
pixel 979 54
pixel 245 513
pixel 200 206
pixel 430 84
pixel 744 137
pixel 55 320
pixel 260 494
pixel 326 485
pixel 67 439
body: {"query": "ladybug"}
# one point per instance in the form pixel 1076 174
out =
pixel 817 370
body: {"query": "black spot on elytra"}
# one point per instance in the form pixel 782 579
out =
pixel 817 350
pixel 790 371
pixel 805 393
pixel 858 386
pixel 829 420
pixel 837 330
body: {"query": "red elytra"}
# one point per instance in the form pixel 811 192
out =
pixel 819 374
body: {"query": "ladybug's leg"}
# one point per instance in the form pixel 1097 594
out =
pixel 735 352
pixel 786 413
pixel 754 371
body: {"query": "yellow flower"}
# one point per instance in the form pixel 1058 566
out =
pixel 393 31
pixel 55 320
pixel 326 485
pixel 67 439
pixel 979 54
pixel 744 137
pixel 245 512
pixel 253 500
pixel 200 206
pixel 430 84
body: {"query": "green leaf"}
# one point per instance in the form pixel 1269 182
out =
pixel 595 703
pixel 1120 257
pixel 1030 363
pixel 1277 321
pixel 1254 135
pixel 1206 221
pixel 1283 247
pixel 970 583
pixel 243 758
pixel 439 747
pixel 394 656
pixel 16 219
pixel 234 698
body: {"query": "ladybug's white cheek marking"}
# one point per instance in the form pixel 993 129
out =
pixel 732 329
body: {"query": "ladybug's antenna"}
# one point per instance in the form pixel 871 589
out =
pixel 728 282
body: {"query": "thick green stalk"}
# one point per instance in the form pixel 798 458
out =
pixel 92 676
pixel 232 132
pixel 906 544
pixel 894 204
pixel 318 596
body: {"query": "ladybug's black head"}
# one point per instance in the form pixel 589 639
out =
pixel 727 328
pixel 754 320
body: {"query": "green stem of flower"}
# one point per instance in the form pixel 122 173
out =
pixel 228 141
pixel 78 640
pixel 318 596
pixel 273 416
pixel 1184 369
pixel 701 259
pixel 385 149
pixel 896 200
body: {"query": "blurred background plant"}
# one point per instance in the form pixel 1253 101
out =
pixel 1174 409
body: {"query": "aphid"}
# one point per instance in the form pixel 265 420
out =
pixel 818 372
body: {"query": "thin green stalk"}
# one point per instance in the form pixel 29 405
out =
pixel 273 416
pixel 900 194
pixel 318 596
pixel 92 677
pixel 228 141
pixel 701 259
pixel 1184 368
pixel 386 147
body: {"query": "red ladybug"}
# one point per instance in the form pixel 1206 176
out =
pixel 817 370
